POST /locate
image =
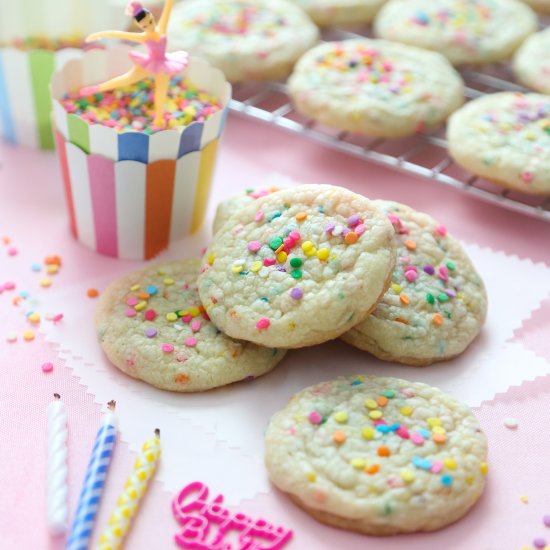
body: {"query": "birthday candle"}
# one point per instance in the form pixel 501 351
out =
pixel 128 501
pixel 90 496
pixel 57 467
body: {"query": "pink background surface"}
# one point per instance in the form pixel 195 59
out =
pixel 32 214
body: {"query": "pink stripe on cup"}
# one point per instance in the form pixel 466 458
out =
pixel 102 189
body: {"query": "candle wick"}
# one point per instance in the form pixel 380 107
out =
pixel 111 405
pixel 56 396
pixel 157 433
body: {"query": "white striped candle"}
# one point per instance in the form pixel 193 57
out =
pixel 57 466
pixel 94 482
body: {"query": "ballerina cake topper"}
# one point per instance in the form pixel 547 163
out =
pixel 155 62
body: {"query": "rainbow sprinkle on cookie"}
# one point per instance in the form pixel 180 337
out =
pixel 465 31
pixel 378 455
pixel 505 137
pixel 153 326
pixel 297 266
pixel 436 303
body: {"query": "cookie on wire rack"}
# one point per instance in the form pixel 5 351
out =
pixel 465 31
pixel 377 455
pixel 246 39
pixel 298 267
pixel 327 13
pixel 375 87
pixel 531 63
pixel 436 303
pixel 152 326
pixel 505 138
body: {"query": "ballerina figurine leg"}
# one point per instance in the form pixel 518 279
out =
pixel 155 62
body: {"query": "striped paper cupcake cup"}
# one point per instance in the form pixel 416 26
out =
pixel 25 103
pixel 131 209
pixel 129 195
pixel 100 65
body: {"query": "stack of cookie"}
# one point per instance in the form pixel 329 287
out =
pixel 294 268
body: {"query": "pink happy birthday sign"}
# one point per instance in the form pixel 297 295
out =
pixel 210 526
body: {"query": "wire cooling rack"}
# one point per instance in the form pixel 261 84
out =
pixel 423 155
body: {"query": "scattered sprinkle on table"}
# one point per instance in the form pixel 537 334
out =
pixel 47 367
pixel 92 293
pixel 510 423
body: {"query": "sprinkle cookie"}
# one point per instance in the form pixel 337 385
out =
pixel 436 303
pixel 246 39
pixel 235 203
pixel 340 12
pixel 375 87
pixel 532 63
pixel 152 326
pixel 465 31
pixel 378 455
pixel 298 267
pixel 505 138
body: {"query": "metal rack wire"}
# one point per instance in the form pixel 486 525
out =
pixel 423 155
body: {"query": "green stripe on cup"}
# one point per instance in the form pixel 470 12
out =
pixel 41 65
pixel 79 133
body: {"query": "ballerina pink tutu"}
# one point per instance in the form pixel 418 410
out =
pixel 156 60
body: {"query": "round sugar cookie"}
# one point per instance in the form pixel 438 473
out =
pixel 375 87
pixel 465 31
pixel 297 267
pixel 532 63
pixel 340 12
pixel 152 326
pixel 377 455
pixel 436 303
pixel 246 39
pixel 228 207
pixel 505 138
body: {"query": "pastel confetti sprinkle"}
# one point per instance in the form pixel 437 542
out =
pixel 263 323
pixel 47 367
pixel 190 342
pixel 131 109
pixel 315 417
pixel 511 423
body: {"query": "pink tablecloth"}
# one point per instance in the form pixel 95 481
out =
pixel 32 216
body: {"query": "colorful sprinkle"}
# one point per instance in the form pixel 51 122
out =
pixel 446 480
pixel 263 323
pixel 92 293
pixel 315 417
pixel 511 423
pixel 47 367
pixel 339 437
pixel 151 332
pixel 131 108
pixel 341 417
pixel 296 293
pixel 167 348
pixel 190 342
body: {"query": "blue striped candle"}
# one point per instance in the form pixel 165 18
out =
pixel 94 482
